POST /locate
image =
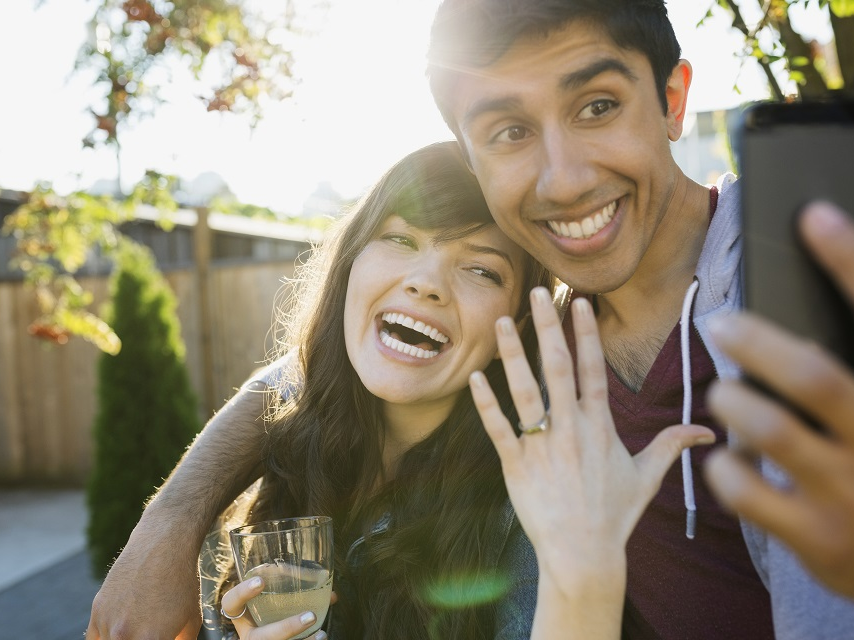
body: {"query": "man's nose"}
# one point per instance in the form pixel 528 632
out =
pixel 565 169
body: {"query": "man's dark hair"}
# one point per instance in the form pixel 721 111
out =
pixel 471 34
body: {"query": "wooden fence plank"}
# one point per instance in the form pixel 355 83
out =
pixel 11 419
pixel 48 393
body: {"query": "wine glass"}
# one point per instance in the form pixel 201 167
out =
pixel 293 557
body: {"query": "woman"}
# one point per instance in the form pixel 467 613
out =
pixel 373 424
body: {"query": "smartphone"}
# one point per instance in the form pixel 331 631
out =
pixel 790 154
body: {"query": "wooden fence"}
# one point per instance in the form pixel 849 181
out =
pixel 48 392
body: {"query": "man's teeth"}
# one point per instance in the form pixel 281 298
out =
pixel 408 349
pixel 416 325
pixel 588 227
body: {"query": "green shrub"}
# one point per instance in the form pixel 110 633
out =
pixel 147 411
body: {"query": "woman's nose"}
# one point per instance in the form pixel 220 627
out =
pixel 428 280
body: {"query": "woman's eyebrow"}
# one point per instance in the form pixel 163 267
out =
pixel 488 250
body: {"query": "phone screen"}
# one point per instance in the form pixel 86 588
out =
pixel 790 154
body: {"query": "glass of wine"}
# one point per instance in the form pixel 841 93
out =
pixel 294 558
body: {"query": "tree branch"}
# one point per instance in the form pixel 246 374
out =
pixel 738 23
pixel 843 33
pixel 814 85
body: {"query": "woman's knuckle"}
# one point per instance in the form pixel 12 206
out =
pixel 560 364
pixel 597 394
pixel 529 395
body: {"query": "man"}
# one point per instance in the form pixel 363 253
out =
pixel 566 119
pixel 565 111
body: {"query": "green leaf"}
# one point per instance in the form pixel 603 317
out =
pixel 702 20
pixel 91 328
pixel 798 77
pixel 842 8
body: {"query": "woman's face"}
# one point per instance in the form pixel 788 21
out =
pixel 419 315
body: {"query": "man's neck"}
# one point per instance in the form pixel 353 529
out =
pixel 635 320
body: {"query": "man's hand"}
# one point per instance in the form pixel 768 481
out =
pixel 152 590
pixel 815 518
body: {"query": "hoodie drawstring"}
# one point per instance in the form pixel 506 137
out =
pixel 687 472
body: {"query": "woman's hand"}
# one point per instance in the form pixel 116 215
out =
pixel 234 606
pixel 576 489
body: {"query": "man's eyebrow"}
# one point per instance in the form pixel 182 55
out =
pixel 578 79
pixel 569 82
pixel 489 105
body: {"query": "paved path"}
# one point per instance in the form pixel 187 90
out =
pixel 53 604
pixel 46 588
pixel 38 528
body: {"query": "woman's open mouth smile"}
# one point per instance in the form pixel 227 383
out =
pixel 406 335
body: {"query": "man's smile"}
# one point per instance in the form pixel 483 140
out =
pixel 587 227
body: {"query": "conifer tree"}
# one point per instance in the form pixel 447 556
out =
pixel 147 411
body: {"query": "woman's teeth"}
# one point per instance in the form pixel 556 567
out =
pixel 415 325
pixel 433 338
pixel 402 347
pixel 588 227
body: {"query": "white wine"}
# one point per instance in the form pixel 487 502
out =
pixel 288 591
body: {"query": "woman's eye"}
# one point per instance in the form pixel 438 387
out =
pixel 512 134
pixel 597 109
pixel 488 274
pixel 403 240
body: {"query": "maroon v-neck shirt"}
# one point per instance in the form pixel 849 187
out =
pixel 680 588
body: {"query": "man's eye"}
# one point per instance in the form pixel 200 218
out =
pixel 512 134
pixel 597 109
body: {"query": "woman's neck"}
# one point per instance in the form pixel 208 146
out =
pixel 406 425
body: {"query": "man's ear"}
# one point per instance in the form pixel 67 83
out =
pixel 676 93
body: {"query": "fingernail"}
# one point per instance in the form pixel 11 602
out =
pixel 477 379
pixel 708 438
pixel 255 582
pixel 825 218
pixel 715 325
pixel 582 306
pixel 307 617
pixel 505 326
pixel 718 327
pixel 321 635
pixel 724 476
pixel 541 295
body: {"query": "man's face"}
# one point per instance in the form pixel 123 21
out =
pixel 570 143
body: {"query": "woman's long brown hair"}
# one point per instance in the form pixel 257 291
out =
pixel 325 442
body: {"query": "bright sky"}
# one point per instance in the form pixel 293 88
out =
pixel 363 103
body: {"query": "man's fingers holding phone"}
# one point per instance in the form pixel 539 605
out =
pixel 829 234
